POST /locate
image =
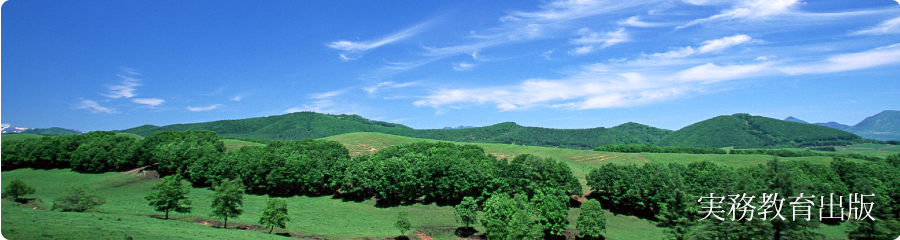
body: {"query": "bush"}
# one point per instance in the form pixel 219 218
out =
pixel 78 199
pixel 17 188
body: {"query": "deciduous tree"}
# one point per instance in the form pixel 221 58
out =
pixel 228 199
pixel 275 214
pixel 170 195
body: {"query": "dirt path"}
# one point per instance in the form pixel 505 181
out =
pixel 645 159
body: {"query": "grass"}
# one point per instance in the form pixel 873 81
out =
pixel 126 213
pixel 18 136
pixel 234 144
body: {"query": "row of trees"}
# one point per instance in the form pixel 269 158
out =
pixel 434 171
pixel 640 148
pixel 227 200
pixel 668 193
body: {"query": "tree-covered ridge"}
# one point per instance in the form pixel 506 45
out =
pixel 296 126
pixel 746 131
pixel 51 131
pixel 884 126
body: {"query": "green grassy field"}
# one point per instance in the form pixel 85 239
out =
pixel 126 213
pixel 18 136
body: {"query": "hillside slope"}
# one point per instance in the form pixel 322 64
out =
pixel 295 126
pixel 746 131
pixel 884 126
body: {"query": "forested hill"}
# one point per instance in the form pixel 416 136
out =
pixel 883 126
pixel 51 131
pixel 295 126
pixel 292 126
pixel 746 131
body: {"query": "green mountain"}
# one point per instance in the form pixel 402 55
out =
pixel 884 126
pixel 295 126
pixel 51 131
pixel 646 134
pixel 746 131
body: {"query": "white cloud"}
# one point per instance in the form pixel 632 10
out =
pixel 750 9
pixel 723 43
pixel 148 101
pixel 123 90
pixel 463 66
pixel 887 27
pixel 327 94
pixel 708 46
pixel 591 41
pixel 635 21
pixel 712 73
pixel 361 46
pixel 387 85
pixel 203 109
pixel 850 61
pixel 93 107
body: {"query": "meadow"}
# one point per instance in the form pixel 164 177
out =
pixel 126 214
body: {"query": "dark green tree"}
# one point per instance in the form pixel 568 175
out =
pixel 522 226
pixel 551 207
pixel 466 211
pixel 275 214
pixel 402 223
pixel 228 199
pixel 170 195
pixel 17 188
pixel 78 199
pixel 591 220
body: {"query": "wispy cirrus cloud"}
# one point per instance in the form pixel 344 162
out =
pixel 599 86
pixel 463 66
pixel 888 55
pixel 327 94
pixel 635 21
pixel 124 89
pixel 93 106
pixel 387 85
pixel 708 46
pixel 591 41
pixel 553 19
pixel 204 108
pixel 148 101
pixel 750 9
pixel 351 49
pixel 887 27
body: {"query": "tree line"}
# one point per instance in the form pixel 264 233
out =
pixel 440 171
pixel 669 193
pixel 647 148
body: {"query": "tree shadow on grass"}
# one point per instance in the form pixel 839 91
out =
pixel 465 232
pixel 401 238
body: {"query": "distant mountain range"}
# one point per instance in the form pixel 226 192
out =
pixel 738 130
pixel 295 126
pixel 884 126
pixel 41 131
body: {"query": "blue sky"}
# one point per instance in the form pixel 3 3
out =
pixel 111 65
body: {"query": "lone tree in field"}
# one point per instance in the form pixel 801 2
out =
pixel 402 223
pixel 227 200
pixel 78 199
pixel 17 188
pixel 466 211
pixel 592 220
pixel 170 194
pixel 275 214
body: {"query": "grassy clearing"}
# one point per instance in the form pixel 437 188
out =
pixel 234 144
pixel 18 136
